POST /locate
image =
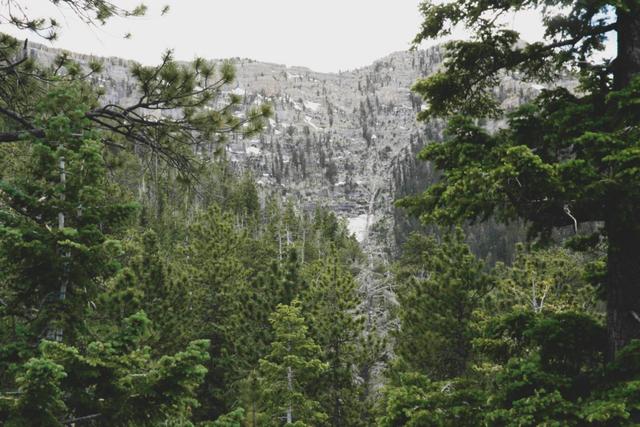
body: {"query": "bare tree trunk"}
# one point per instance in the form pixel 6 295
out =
pixel 290 388
pixel 304 242
pixel 58 330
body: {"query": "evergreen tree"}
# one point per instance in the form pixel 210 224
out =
pixel 417 401
pixel 292 284
pixel 149 283
pixel 113 381
pixel 182 139
pixel 537 355
pixel 56 221
pixel 551 279
pixel 40 401
pixel 89 11
pixel 57 247
pixel 564 159
pixel 331 303
pixel 288 371
pixel 220 286
pixel 437 297
pixel 232 419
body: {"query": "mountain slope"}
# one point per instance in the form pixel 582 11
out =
pixel 344 140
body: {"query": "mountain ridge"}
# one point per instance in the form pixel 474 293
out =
pixel 87 56
pixel 347 140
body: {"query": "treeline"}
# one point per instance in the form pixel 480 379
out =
pixel 518 345
pixel 129 297
pixel 144 284
pixel 133 297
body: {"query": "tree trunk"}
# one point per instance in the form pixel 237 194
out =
pixel 623 280
pixel 57 332
pixel 623 218
pixel 628 55
pixel 290 389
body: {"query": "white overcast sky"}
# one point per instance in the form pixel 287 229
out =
pixel 326 35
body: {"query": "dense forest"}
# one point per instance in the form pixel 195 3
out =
pixel 145 281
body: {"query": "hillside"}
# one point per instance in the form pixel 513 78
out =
pixel 344 140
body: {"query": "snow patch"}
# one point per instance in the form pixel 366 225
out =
pixel 307 119
pixel 359 226
pixel 313 106
pixel 253 151
pixel 238 91
pixel 233 151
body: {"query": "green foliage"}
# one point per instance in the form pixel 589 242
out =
pixel 232 419
pixel 441 284
pixel 419 402
pixel 120 380
pixel 150 283
pixel 331 303
pixel 289 370
pixel 39 401
pixel 536 349
pixel 218 304
pixel 162 319
pixel 557 378
pixel 553 279
pixel 185 139
pixel 522 171
pixel 116 381
pixel 219 285
pixel 54 234
pixel 564 159
pixel 574 33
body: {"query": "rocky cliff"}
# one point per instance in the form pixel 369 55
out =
pixel 346 140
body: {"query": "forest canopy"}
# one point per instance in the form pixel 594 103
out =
pixel 146 280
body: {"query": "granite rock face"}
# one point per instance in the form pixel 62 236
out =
pixel 345 140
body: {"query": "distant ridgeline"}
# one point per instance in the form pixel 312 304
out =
pixel 344 140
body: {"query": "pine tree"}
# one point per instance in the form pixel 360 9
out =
pixel 56 221
pixel 90 12
pixel 40 401
pixel 117 379
pixel 182 139
pixel 564 159
pixel 437 296
pixel 544 280
pixel 288 371
pixel 150 283
pixel 232 419
pixel 221 288
pixel 331 303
